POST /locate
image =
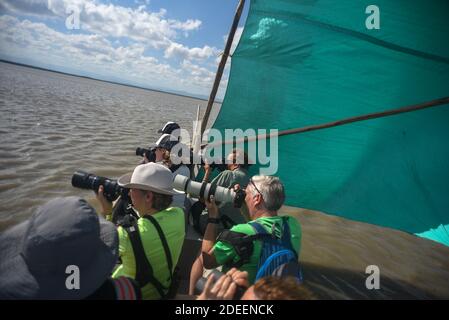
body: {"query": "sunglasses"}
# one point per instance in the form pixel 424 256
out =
pixel 254 185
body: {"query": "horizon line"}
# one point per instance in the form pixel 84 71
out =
pixel 108 81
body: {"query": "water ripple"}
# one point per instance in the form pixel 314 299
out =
pixel 54 124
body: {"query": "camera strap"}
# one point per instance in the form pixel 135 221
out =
pixel 144 270
pixel 213 188
pixel 278 257
pixel 164 244
pixel 123 212
pixel 227 222
pixel 202 189
pixel 175 167
pixel 243 243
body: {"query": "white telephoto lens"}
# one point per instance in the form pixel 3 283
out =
pixel 202 190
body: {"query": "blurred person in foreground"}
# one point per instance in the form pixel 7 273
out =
pixel 267 288
pixel 63 251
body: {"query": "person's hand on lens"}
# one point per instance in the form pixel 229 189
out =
pixel 207 166
pixel 223 289
pixel 239 277
pixel 212 208
pixel 207 171
pixel 106 205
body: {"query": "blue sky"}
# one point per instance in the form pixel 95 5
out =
pixel 171 45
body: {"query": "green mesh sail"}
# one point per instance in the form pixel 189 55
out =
pixel 308 62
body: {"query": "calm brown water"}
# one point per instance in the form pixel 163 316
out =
pixel 53 124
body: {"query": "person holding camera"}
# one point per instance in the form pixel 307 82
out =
pixel 236 173
pixel 150 246
pixel 169 129
pixel 264 197
pixel 162 150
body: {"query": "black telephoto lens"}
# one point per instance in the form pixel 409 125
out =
pixel 89 181
pixel 83 180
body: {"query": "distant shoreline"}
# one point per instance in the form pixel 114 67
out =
pixel 107 81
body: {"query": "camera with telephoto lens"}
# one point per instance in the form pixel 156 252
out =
pixel 149 153
pixel 222 163
pixel 199 287
pixel 206 190
pixel 219 166
pixel 89 181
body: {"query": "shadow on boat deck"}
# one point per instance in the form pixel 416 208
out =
pixel 335 253
pixel 332 283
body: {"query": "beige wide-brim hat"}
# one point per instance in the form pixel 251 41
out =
pixel 150 176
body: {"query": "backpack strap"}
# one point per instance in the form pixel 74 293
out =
pixel 175 167
pixel 287 253
pixel 144 270
pixel 260 229
pixel 242 244
pixel 275 250
pixel 286 236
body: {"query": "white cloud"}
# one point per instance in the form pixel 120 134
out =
pixel 111 20
pixel 177 50
pixel 187 25
pixel 136 24
pixel 96 54
pixel 142 2
pixel 30 7
pixel 114 41
pixel 197 71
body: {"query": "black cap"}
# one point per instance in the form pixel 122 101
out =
pixel 169 127
pixel 166 141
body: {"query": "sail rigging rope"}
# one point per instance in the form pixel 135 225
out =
pixel 375 115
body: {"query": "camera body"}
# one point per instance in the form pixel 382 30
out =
pixel 149 153
pixel 206 190
pixel 219 166
pixel 89 181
